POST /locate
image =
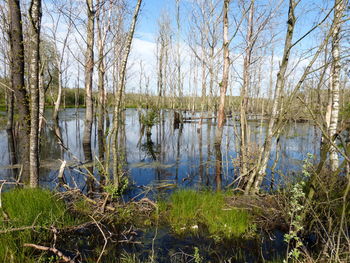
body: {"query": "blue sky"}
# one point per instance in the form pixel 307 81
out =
pixel 308 14
pixel 146 30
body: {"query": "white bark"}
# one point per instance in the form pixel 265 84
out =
pixel 335 76
pixel 255 179
pixel 119 93
pixel 35 24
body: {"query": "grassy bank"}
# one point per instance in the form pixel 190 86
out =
pixel 192 211
pixel 27 217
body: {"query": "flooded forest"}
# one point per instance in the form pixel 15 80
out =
pixel 174 131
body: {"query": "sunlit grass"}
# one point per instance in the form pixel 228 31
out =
pixel 25 208
pixel 189 209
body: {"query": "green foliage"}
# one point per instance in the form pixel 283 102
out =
pixel 296 223
pixel 116 191
pixel 131 258
pixel 150 118
pixel 25 208
pixel 296 213
pixel 197 257
pixel 189 208
pixel 345 111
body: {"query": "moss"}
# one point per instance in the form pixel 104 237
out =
pixel 25 208
pixel 189 209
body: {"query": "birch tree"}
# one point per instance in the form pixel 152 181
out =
pixel 89 67
pixel 256 178
pixel 119 92
pixel 225 74
pixel 35 25
pixel 279 109
pixel 103 23
pixel 339 6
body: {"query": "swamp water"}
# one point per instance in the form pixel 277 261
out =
pixel 173 157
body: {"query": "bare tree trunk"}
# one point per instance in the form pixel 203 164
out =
pixel 9 127
pixel 89 67
pixel 101 108
pixel 119 93
pixel 223 89
pixel 335 85
pixel 101 35
pixel 244 140
pixel 17 82
pixel 256 178
pixel 224 83
pixel 178 55
pixel 42 91
pixel 204 85
pixel 59 95
pixel 35 24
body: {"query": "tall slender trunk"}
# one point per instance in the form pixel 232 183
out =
pixel 224 82
pixel 59 95
pixel 256 178
pixel 42 91
pixel 119 93
pixel 89 67
pixel 35 24
pixel 244 140
pixel 9 127
pixel 17 82
pixel 204 86
pixel 335 84
pixel 101 105
pixel 223 89
pixel 178 55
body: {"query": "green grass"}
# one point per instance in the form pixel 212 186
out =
pixel 27 207
pixel 189 209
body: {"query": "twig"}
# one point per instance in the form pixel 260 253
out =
pixel 104 203
pixel 20 229
pixel 61 171
pixel 53 250
pixel 33 226
pixel 104 237
pixel 2 184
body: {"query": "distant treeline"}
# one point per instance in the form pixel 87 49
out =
pixel 75 97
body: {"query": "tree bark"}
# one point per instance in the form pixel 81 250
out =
pixel 223 89
pixel 101 36
pixel 256 178
pixel 35 24
pixel 224 82
pixel 244 140
pixel 17 82
pixel 335 85
pixel 119 93
pixel 89 67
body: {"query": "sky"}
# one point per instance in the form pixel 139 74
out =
pixel 308 12
pixel 144 46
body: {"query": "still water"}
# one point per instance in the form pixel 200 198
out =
pixel 184 156
pixel 168 155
